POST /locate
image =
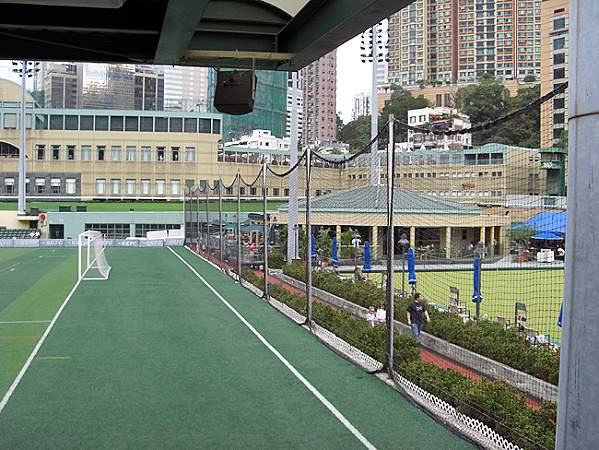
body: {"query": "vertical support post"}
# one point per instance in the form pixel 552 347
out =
pixel 292 215
pixel 186 222
pixel 578 406
pixel 390 247
pixel 308 251
pixel 413 237
pixel 264 230
pixel 21 207
pixel 448 242
pixel 207 188
pixel 375 170
pixel 79 257
pixel 198 234
pixel 239 226
pixel 220 221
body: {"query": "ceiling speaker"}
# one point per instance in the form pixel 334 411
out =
pixel 235 91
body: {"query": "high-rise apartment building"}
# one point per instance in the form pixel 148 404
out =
pixel 300 106
pixel 149 89
pixel 185 88
pixel 319 87
pixel 554 69
pixel 360 105
pixel 60 86
pixel 461 40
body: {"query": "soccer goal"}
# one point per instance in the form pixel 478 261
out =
pixel 92 261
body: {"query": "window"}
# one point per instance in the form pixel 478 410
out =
pixel 116 123
pixel 146 153
pixel 146 124
pixel 9 185
pixel 131 153
pixel 111 230
pixel 116 153
pixel 160 151
pixel 189 184
pixel 559 103
pixel 176 125
pixel 130 187
pixel 86 123
pixel 101 123
pixel 145 187
pixel 559 24
pixel 557 133
pixel 175 187
pixel 55 185
pixel 100 186
pixel 160 187
pixel 131 124
pixel 71 152
pixel 190 125
pixel 558 118
pixel 71 185
pixel 86 152
pixel 101 152
pixel 253 191
pixel 190 154
pixel 559 58
pixel 71 123
pixel 40 152
pixel 141 229
pixel 559 43
pixel 56 122
pixel 216 126
pixel 175 154
pixel 55 152
pixel 160 124
pixel 276 192
pixel 559 73
pixel 40 185
pixel 204 125
pixel 116 186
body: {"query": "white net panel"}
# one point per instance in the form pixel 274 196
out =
pixel 92 259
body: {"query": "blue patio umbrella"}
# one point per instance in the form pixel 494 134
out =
pixel 560 321
pixel 313 246
pixel 411 268
pixel 334 251
pixel 366 267
pixel 477 296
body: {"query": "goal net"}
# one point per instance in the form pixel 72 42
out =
pixel 92 260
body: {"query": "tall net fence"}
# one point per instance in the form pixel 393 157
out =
pixel 437 262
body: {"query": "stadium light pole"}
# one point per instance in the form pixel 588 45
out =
pixel 578 406
pixel 24 72
pixel 292 214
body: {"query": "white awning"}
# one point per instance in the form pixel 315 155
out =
pixel 9 181
pixel 55 182
pixel 40 181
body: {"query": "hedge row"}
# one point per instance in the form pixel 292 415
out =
pixel 494 403
pixel 486 338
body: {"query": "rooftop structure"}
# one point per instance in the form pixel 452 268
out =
pixel 438 119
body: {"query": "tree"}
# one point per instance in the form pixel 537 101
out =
pixel 490 100
pixel 339 125
pixel 563 141
pixel 356 133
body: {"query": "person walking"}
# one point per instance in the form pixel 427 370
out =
pixel 416 313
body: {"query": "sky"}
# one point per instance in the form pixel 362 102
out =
pixel 353 76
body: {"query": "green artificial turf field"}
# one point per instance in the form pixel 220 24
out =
pixel 152 358
pixel 228 206
pixel 541 290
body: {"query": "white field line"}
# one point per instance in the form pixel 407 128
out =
pixel 36 349
pixel 6 322
pixel 346 423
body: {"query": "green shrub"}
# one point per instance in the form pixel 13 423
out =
pixel 486 338
pixel 276 259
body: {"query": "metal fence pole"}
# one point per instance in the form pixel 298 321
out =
pixel 187 233
pixel 220 221
pixel 198 234
pixel 239 226
pixel 207 224
pixel 308 251
pixel 265 230
pixel 390 247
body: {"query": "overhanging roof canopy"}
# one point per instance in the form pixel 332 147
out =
pixel 270 34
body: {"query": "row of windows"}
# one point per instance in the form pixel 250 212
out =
pixel 73 122
pixel 42 186
pixel 115 186
pixel 494 174
pixel 123 230
pixel 115 153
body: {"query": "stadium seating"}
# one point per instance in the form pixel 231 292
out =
pixel 15 233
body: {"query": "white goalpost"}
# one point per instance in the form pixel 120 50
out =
pixel 92 261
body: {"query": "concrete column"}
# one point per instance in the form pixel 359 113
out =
pixel 578 407
pixel 448 242
pixel 338 233
pixel 374 241
pixel 412 237
pixel 482 235
pixel 492 248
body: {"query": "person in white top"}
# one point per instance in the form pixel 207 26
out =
pixel 371 317
pixel 381 314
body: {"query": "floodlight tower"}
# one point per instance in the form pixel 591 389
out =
pixel 372 48
pixel 26 70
